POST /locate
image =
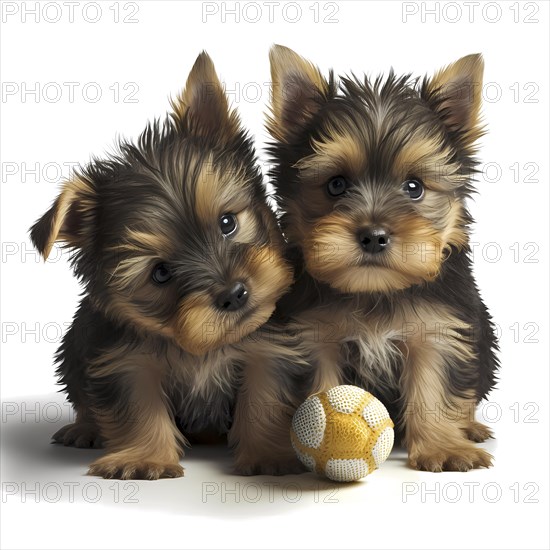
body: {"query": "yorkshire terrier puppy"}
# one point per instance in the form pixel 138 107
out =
pixel 372 179
pixel 180 258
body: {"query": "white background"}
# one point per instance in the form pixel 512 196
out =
pixel 503 507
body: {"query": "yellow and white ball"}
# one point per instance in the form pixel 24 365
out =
pixel 344 433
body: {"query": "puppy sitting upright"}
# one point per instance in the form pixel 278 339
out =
pixel 180 258
pixel 372 178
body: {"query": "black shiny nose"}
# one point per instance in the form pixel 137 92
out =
pixel 233 298
pixel 374 239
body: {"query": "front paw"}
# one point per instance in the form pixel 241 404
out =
pixel 475 431
pixel 80 434
pixel 121 466
pixel 459 459
pixel 269 467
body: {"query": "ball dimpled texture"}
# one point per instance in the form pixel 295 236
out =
pixel 343 434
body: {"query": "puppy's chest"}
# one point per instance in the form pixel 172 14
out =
pixel 202 391
pixel 371 352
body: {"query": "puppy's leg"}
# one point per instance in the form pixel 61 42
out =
pixel 321 338
pixel 268 396
pixel 438 414
pixel 141 437
pixel 83 433
pixel 142 444
pixel 327 374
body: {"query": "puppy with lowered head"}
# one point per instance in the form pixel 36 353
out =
pixel 181 262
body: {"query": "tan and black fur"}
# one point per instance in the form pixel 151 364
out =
pixel 372 178
pixel 181 261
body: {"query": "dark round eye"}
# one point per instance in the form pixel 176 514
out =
pixel 414 188
pixel 228 224
pixel 161 274
pixel 337 186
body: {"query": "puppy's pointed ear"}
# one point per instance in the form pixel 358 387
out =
pixel 298 90
pixel 455 94
pixel 204 102
pixel 70 219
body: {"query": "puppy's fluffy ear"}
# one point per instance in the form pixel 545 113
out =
pixel 298 91
pixel 70 219
pixel 455 94
pixel 204 102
